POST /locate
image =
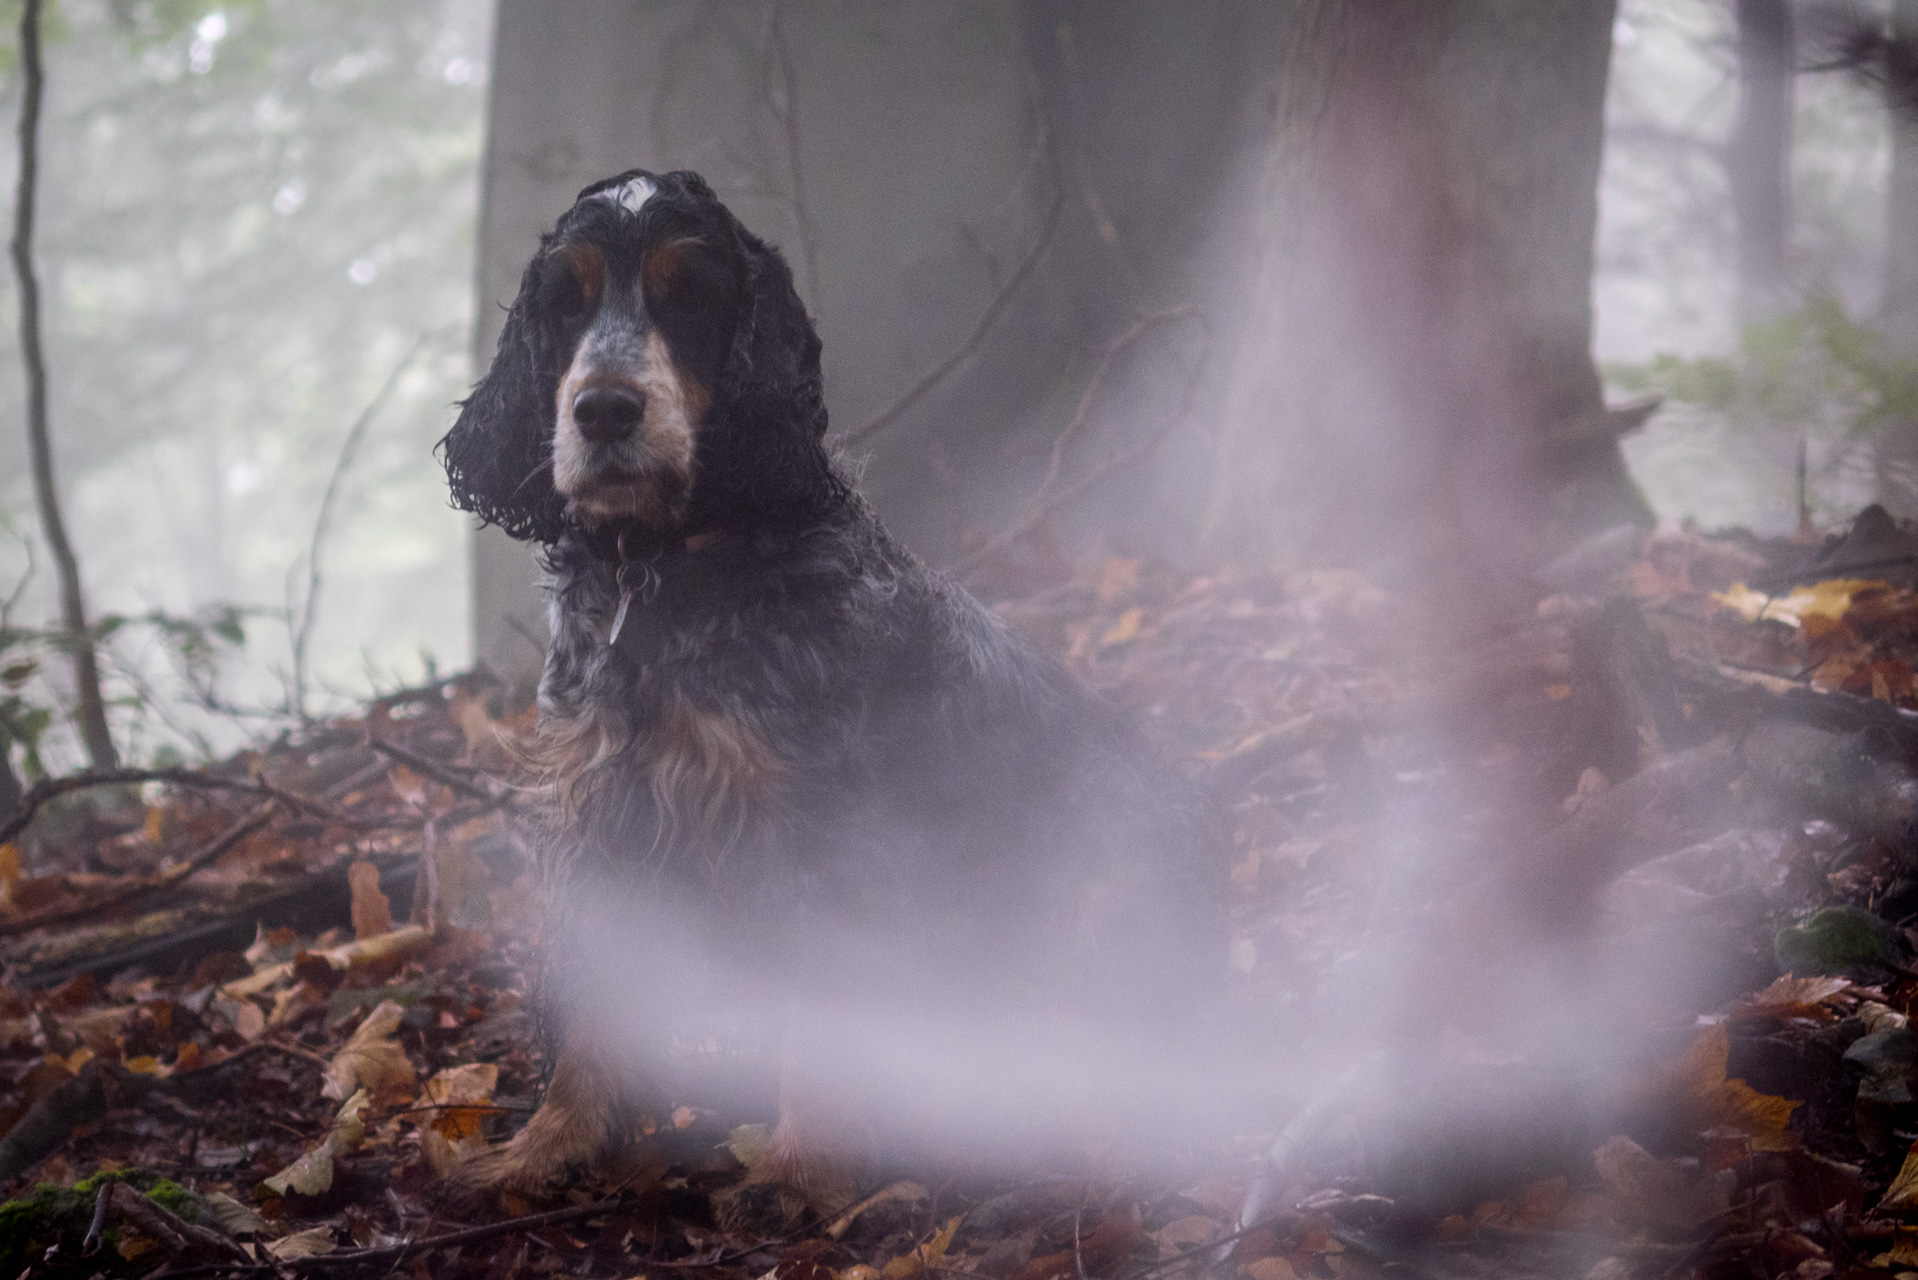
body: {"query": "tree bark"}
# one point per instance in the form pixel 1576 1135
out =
pixel 1416 371
pixel 90 713
pixel 1761 156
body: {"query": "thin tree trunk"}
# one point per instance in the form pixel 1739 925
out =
pixel 1901 220
pixel 1416 373
pixel 1761 156
pixel 90 709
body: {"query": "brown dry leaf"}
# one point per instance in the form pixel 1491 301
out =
pixel 311 1243
pixel 1719 1103
pixel 9 874
pixel 1183 1233
pixel 407 785
pixel 372 912
pixel 924 1258
pixel 1666 1193
pixel 1116 578
pixel 460 1098
pixel 373 1060
pixel 1790 997
pixel 1269 1269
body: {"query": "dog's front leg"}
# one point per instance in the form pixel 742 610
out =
pixel 577 1123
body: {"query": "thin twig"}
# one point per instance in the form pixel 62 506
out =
pixel 786 111
pixel 90 709
pixel 932 377
pixel 393 1253
pixel 309 607
pixel 1051 497
pixel 437 772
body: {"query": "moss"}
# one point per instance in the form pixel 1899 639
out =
pixel 49 1216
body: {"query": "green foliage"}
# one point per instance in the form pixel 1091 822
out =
pixel 57 1218
pixel 199 647
pixel 1816 370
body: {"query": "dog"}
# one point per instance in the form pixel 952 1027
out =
pixel 803 791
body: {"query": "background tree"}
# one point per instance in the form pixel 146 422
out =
pixel 1417 370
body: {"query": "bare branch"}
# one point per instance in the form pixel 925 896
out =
pixel 90 711
pixel 1051 497
pixel 891 414
pixel 323 521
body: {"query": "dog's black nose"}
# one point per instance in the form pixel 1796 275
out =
pixel 605 414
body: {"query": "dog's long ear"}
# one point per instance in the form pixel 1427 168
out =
pixel 766 459
pixel 499 454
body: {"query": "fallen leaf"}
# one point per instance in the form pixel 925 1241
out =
pixel 310 1243
pixel 450 1133
pixel 1725 1104
pixel 1269 1269
pixel 312 1173
pixel 373 1060
pixel 372 911
pixel 1666 1193
pixel 1126 628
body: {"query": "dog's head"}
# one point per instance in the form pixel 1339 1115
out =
pixel 657 370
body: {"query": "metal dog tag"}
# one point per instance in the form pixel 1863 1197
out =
pixel 619 616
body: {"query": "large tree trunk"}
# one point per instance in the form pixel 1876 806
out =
pixel 1416 373
pixel 1761 156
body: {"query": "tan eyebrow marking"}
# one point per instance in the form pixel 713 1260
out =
pixel 663 263
pixel 588 267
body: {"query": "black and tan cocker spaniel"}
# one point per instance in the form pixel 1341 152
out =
pixel 806 793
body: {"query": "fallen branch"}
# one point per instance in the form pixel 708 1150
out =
pixel 438 772
pixel 177 1237
pixel 52 788
pixel 392 1254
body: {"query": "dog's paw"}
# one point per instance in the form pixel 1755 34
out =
pixel 783 1184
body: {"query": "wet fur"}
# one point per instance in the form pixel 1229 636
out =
pixel 802 735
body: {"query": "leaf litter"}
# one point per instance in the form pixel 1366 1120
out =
pixel 282 1011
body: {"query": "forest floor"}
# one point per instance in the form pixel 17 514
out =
pixel 1577 925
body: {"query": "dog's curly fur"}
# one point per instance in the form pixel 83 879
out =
pixel 807 760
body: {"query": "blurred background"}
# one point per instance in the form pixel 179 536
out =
pixel 1054 247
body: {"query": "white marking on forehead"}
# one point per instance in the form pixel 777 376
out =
pixel 629 195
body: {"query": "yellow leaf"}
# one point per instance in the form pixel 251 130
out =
pixel 925 1257
pixel 1904 1188
pixel 144 1064
pixel 1826 600
pixel 1126 628
pixel 1719 1103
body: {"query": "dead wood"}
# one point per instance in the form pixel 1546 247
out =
pixel 1625 709
pixel 1733 699
pixel 54 1116
pixel 1860 781
pixel 180 1239
pixel 1675 802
